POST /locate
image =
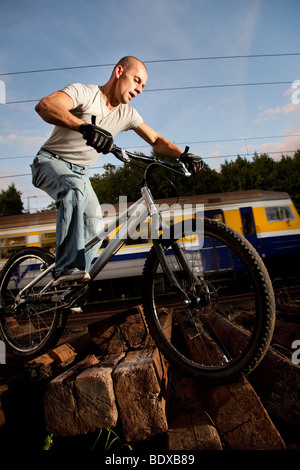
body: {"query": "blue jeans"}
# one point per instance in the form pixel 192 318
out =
pixel 79 215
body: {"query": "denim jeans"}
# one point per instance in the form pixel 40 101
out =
pixel 79 215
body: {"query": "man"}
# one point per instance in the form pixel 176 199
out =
pixel 86 119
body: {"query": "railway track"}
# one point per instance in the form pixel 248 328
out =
pixel 288 308
pixel 289 297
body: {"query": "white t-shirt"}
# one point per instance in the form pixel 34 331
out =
pixel 88 102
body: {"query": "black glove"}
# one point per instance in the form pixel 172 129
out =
pixel 194 163
pixel 98 138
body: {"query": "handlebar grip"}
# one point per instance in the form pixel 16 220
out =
pixel 125 157
pixel 119 153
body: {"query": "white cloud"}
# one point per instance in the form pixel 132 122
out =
pixel 288 146
pixel 249 149
pixel 219 108
pixel 271 114
pixel 26 142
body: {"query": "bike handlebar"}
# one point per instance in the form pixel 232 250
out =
pixel 125 156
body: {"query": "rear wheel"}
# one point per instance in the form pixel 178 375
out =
pixel 30 322
pixel 220 329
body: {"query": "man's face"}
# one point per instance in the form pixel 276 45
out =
pixel 131 82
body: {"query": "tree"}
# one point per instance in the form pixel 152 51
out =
pixel 264 172
pixel 237 175
pixel 288 176
pixel 115 182
pixel 261 173
pixel 10 201
pixel 50 208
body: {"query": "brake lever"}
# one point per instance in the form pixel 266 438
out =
pixel 186 172
pixel 120 154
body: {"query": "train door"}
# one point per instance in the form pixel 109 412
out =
pixel 249 230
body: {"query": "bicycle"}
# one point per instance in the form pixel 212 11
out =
pixel 207 297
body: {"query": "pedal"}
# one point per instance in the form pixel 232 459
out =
pixel 70 284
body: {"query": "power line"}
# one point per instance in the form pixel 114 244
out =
pixel 215 141
pixel 179 88
pixel 219 86
pixel 250 56
pixel 20 102
pixel 282 152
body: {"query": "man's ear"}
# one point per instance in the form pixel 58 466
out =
pixel 118 71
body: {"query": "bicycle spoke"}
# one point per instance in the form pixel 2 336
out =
pixel 222 323
pixel 29 319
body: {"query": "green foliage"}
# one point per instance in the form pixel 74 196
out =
pixel 237 175
pixel 10 201
pixel 242 174
pixel 115 182
pixel 106 439
pixel 48 442
pixel 112 440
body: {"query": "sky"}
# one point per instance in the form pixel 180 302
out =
pixel 223 76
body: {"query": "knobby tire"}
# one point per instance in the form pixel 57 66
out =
pixel 30 327
pixel 224 336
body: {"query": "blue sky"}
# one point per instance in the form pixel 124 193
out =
pixel 217 122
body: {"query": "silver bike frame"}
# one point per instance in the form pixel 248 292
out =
pixel 130 219
pixel 127 222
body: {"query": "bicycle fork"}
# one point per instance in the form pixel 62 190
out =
pixel 158 246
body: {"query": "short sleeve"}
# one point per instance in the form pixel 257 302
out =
pixel 80 94
pixel 136 119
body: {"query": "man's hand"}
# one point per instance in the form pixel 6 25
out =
pixel 194 163
pixel 98 138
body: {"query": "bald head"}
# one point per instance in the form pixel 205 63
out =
pixel 129 62
pixel 127 80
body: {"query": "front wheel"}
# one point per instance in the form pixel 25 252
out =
pixel 220 326
pixel 30 322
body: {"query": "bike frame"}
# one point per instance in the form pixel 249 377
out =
pixel 127 222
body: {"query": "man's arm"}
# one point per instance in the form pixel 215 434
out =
pixel 159 143
pixel 55 109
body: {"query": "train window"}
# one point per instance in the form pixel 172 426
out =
pixel 48 240
pixel 10 245
pixel 279 213
pixel 218 217
pixel 215 215
pixel 248 224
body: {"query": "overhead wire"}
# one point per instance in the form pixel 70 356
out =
pixel 170 89
pixel 184 59
pixel 282 152
pixel 224 85
pixel 214 141
pixel 249 56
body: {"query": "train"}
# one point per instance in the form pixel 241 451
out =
pixel 268 219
